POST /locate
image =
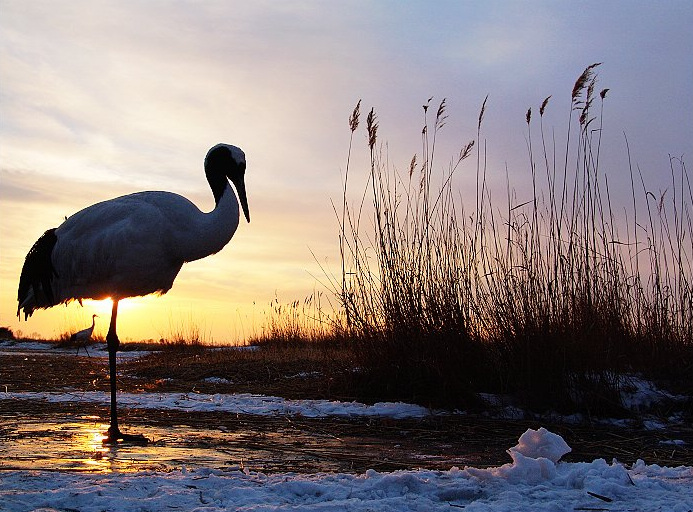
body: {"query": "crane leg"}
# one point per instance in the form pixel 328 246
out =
pixel 114 435
pixel 85 349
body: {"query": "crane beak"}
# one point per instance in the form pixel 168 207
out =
pixel 240 188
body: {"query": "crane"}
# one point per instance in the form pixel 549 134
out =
pixel 82 337
pixel 131 246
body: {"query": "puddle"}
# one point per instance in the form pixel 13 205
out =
pixel 64 442
pixel 75 444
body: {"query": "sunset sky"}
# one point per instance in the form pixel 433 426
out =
pixel 104 98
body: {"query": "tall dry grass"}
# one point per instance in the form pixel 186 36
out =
pixel 551 297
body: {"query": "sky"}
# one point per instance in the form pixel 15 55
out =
pixel 104 98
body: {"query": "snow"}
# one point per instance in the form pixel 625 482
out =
pixel 535 480
pixel 238 403
pixel 638 394
pixel 216 380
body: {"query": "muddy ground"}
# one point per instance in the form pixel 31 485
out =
pixel 38 435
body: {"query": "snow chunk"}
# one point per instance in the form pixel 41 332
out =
pixel 540 443
pixel 534 458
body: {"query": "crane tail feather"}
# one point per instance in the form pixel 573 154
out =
pixel 35 290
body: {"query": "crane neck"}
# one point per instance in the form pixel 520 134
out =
pixel 217 181
pixel 208 233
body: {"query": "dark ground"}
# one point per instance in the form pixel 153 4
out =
pixel 32 432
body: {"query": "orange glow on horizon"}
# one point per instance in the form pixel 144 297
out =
pixel 104 307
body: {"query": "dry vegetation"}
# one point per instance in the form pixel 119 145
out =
pixel 551 298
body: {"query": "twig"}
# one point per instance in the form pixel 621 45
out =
pixel 599 496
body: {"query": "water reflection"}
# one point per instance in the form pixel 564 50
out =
pixel 88 438
pixel 76 444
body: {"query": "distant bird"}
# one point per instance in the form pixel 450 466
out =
pixel 82 337
pixel 132 246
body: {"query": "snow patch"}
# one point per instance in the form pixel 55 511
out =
pixel 217 380
pixel 241 403
pixel 639 395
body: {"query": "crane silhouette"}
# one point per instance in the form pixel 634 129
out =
pixel 82 337
pixel 131 246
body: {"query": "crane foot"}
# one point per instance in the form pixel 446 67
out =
pixel 117 437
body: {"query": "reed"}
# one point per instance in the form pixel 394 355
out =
pixel 551 298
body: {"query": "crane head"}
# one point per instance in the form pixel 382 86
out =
pixel 229 160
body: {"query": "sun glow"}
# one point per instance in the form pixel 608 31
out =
pixel 103 307
pixel 99 307
pixel 76 316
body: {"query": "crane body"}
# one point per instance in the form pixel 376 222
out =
pixel 131 246
pixel 84 336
